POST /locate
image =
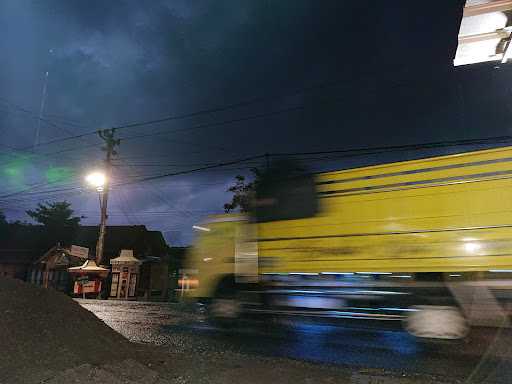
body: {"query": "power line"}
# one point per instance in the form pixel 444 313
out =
pixel 156 192
pixel 185 115
pixel 254 100
pixel 124 164
pixel 131 165
pixel 122 204
pixel 67 120
pixel 155 177
pixel 226 169
pixel 200 126
pixel 34 116
pixel 32 199
pixel 26 192
pixel 223 108
pixel 218 124
pixel 218 165
pixel 28 151
pixel 46 156
pixel 347 152
pixel 430 145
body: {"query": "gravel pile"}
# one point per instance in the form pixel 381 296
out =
pixel 47 337
pixel 43 332
pixel 125 372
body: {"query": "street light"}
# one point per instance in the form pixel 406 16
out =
pixel 97 180
pixel 100 181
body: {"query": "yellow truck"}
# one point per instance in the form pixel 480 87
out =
pixel 427 242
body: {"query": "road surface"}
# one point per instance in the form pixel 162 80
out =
pixel 486 357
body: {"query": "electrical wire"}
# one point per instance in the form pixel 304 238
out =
pixel 254 100
pixel 35 116
pixel 346 152
pixel 182 116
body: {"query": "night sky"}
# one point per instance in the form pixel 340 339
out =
pixel 308 75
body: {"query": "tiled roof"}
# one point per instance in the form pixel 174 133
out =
pixel 18 256
pixel 27 243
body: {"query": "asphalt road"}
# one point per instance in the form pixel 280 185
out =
pixel 485 357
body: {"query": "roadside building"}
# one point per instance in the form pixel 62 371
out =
pixel 15 263
pixel 51 269
pixel 26 256
pixel 149 247
pixel 20 245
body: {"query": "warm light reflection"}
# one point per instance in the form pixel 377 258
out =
pixel 472 247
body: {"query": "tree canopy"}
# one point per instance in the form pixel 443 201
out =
pixel 284 189
pixel 4 226
pixel 243 192
pixel 55 215
pixel 58 220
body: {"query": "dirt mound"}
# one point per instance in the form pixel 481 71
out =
pixel 43 332
pixel 125 372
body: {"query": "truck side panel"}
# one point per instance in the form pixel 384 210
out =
pixel 451 213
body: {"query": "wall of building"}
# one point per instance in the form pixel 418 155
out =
pixel 16 271
pixel 160 281
pixel 154 281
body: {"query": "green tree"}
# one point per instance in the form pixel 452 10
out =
pixel 243 192
pixel 4 227
pixel 3 220
pixel 58 214
pixel 58 220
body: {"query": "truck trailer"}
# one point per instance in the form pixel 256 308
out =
pixel 426 242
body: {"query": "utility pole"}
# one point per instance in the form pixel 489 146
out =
pixel 267 161
pixel 43 100
pixel 107 135
pixel 41 110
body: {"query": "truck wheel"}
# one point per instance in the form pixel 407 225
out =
pixel 436 322
pixel 225 308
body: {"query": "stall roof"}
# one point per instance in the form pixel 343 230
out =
pixel 126 256
pixel 89 266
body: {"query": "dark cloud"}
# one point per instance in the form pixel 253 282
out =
pixel 388 65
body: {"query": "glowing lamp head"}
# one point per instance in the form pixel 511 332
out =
pixel 97 180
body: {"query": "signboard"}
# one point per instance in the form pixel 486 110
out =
pixel 83 287
pixel 78 251
pixel 89 287
pixel 82 279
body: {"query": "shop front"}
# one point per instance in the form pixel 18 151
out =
pixel 125 275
